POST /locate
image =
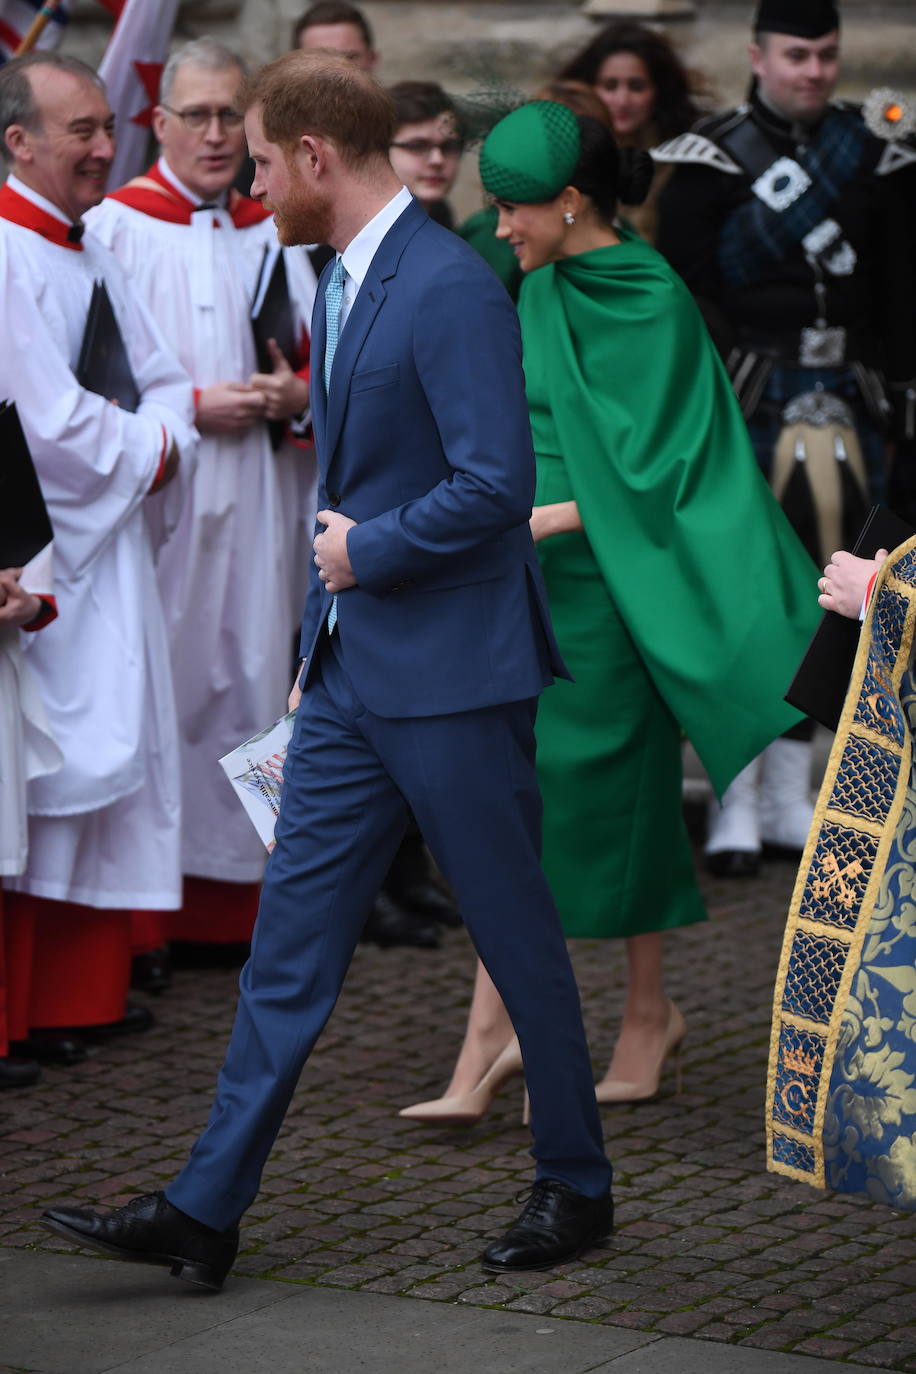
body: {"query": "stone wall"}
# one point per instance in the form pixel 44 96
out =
pixel 520 42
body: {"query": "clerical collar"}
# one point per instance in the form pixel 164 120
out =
pixel 25 207
pixel 196 202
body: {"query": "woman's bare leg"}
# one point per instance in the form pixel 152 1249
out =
pixel 487 1032
pixel 645 1013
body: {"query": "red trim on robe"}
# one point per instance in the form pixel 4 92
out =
pixel 215 913
pixel 170 205
pixel 80 964
pixel 44 617
pixel 18 210
pixel 166 445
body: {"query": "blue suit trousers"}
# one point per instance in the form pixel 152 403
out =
pixel 350 777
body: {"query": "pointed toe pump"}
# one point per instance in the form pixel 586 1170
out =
pixel 464 1109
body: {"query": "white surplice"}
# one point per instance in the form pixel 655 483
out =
pixel 233 573
pixel 104 829
pixel 27 747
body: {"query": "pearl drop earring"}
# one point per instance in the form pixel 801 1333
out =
pixel 568 217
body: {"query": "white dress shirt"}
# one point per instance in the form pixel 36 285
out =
pixel 360 251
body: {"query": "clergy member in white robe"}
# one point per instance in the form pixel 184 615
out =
pixel 27 750
pixel 233 573
pixel 104 829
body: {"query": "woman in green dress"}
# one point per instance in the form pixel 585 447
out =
pixel 681 598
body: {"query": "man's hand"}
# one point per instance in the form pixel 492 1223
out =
pixel 295 692
pixel 845 582
pixel 285 394
pixel 331 556
pixel 17 606
pixel 229 408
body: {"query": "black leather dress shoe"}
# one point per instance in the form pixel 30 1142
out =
pixel 149 1230
pixel 414 882
pixel 734 863
pixel 50 1047
pixel 390 924
pixel 18 1073
pixel 556 1225
pixel 151 972
pixel 136 1018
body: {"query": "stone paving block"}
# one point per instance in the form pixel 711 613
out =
pixel 353 1191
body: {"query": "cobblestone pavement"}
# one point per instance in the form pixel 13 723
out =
pixel 707 1243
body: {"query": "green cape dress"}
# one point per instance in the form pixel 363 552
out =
pixel 684 607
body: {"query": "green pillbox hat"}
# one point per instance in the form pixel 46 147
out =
pixel 531 154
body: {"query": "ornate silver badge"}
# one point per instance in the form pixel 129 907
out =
pixel 781 184
pixel 823 346
pixel 889 114
pixel 818 408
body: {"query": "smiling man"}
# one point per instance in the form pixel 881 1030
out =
pixel 232 571
pixel 789 221
pixel 104 830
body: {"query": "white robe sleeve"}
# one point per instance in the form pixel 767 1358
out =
pixel 94 460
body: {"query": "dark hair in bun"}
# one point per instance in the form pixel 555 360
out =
pixel 608 174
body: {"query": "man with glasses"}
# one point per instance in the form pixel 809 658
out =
pixel 233 568
pixel 427 147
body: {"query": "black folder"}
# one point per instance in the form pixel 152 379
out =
pixel 104 366
pixel 820 685
pixel 272 313
pixel 24 525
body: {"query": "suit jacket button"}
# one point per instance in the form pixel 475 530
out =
pixel 333 498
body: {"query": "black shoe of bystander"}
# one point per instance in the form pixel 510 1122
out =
pixel 390 924
pixel 151 972
pixel 50 1047
pixel 18 1073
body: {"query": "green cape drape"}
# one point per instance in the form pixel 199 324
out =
pixel 709 578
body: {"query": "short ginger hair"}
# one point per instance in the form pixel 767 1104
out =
pixel 324 94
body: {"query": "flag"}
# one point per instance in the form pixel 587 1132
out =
pixel 132 69
pixel 17 17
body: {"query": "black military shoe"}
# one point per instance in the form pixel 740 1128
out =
pixel 389 924
pixel 556 1224
pixel 149 1230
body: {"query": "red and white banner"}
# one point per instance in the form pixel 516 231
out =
pixel 18 16
pixel 132 69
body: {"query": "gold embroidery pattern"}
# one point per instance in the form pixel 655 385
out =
pixel 838 886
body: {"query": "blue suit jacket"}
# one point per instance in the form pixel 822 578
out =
pixel 424 440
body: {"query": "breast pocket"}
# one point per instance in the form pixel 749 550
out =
pixel 373 378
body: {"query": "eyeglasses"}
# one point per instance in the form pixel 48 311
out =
pixel 423 147
pixel 198 118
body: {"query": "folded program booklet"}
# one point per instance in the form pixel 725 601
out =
pixel 255 770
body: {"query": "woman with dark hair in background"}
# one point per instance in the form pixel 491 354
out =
pixel 649 503
pixel 646 89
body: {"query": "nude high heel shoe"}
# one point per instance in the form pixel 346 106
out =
pixel 615 1090
pixel 466 1108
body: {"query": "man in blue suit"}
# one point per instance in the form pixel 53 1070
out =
pixel 425 644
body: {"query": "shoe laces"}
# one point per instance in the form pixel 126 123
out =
pixel 538 1200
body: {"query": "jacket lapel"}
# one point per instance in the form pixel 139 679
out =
pixel 369 300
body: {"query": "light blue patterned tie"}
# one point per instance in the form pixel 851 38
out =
pixel 333 300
